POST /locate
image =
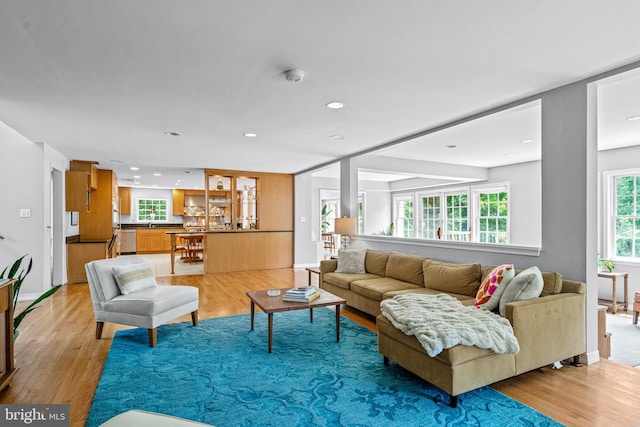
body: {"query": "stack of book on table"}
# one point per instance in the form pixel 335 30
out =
pixel 304 294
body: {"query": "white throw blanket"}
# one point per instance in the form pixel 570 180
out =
pixel 441 321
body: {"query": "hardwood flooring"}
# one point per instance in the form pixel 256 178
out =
pixel 60 361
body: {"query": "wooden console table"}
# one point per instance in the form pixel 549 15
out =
pixel 614 297
pixel 7 367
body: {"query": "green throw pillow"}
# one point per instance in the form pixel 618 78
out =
pixel 134 277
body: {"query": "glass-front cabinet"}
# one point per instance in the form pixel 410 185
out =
pixel 232 201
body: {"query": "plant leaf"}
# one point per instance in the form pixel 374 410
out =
pixel 18 319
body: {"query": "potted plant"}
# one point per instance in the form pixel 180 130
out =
pixel 606 264
pixel 19 273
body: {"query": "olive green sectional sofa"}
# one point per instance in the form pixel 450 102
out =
pixel 548 328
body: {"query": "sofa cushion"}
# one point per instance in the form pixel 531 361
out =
pixel 376 262
pixel 343 280
pixel 351 261
pixel 376 288
pixel 463 279
pixel 493 286
pixel 526 285
pixel 134 277
pixel 407 268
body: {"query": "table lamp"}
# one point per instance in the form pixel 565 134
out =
pixel 345 227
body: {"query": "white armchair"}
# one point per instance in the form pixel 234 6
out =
pixel 146 308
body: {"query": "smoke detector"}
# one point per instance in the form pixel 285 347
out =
pixel 294 76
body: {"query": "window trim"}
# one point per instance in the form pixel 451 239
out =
pixel 608 221
pixel 489 188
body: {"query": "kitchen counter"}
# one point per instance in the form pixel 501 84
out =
pixel 154 225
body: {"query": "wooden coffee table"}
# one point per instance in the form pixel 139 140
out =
pixel 272 305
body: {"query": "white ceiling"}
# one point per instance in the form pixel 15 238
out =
pixel 104 81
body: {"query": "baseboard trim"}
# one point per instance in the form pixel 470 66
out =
pixel 589 358
pixel 299 266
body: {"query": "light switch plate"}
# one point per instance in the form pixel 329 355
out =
pixel 25 213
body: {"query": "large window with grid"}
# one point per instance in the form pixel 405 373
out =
pixel 431 216
pixel 625 216
pixel 457 217
pixel 152 210
pixel 403 215
pixel 492 223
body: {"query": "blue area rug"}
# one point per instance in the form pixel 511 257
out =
pixel 220 373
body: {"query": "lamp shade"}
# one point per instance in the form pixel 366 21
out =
pixel 345 226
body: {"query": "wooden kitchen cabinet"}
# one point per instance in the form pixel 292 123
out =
pixel 77 192
pixel 125 200
pixel 98 223
pixel 89 167
pixel 154 240
pixel 78 254
pixel 178 201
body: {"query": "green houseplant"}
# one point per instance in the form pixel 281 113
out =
pixel 606 264
pixel 325 217
pixel 17 271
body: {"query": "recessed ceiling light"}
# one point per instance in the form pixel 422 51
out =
pixel 196 187
pixel 136 182
pixel 250 135
pixel 134 168
pixel 157 174
pixel 451 146
pixel 137 176
pixel 336 137
pixel 509 155
pixel 527 141
pixel 334 105
pixel 634 118
pixel 172 133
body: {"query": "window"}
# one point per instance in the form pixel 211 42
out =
pixel 457 220
pixel 152 209
pixel 626 216
pixel 403 215
pixel 431 216
pixel 360 213
pixel 330 210
pixel 492 223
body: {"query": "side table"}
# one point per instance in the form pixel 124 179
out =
pixel 614 297
pixel 315 270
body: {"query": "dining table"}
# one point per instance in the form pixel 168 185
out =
pixel 190 237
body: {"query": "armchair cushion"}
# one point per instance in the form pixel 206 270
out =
pixel 151 301
pixel 134 277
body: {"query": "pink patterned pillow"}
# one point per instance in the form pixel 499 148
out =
pixel 493 286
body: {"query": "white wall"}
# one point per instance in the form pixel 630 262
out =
pixel 26 186
pixel 525 209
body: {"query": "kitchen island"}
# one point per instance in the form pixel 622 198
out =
pixel 241 250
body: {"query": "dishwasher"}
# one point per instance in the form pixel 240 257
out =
pixel 128 241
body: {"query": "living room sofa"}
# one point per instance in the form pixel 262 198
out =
pixel 549 328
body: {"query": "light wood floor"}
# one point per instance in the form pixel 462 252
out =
pixel 60 361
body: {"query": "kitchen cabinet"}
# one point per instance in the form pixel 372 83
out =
pixel 154 240
pixel 124 193
pixel 77 191
pixel 177 197
pixel 80 253
pixel 98 224
pixel 89 167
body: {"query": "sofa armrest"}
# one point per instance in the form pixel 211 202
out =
pixel 548 329
pixel 327 266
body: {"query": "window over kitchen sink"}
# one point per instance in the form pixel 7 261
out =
pixel 152 210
